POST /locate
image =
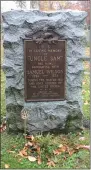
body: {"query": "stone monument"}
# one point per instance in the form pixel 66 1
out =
pixel 43 63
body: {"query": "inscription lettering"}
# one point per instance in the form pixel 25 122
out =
pixel 37 58
pixel 44 71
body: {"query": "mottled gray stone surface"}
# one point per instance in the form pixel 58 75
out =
pixel 58 116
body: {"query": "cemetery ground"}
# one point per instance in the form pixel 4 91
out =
pixel 49 151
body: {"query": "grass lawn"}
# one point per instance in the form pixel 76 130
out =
pixel 48 144
pixel 11 144
pixel 86 91
pixel 3 111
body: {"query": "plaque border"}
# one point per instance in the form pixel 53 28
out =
pixel 25 89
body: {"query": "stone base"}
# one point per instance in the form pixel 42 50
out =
pixel 58 116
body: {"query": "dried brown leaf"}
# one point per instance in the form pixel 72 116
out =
pixel 2 128
pixel 64 157
pixel 23 153
pixel 71 152
pixel 60 150
pixel 51 163
pixel 38 150
pixel 56 152
pixel 20 154
pixel 30 144
pixel 31 137
pixel 83 147
pixel 10 151
pixel 14 146
pixel 39 160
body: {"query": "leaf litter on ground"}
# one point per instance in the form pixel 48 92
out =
pixel 39 160
pixel 87 147
pixel 51 163
pixel 32 148
pixel 3 127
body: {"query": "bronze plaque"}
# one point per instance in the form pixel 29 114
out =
pixel 44 70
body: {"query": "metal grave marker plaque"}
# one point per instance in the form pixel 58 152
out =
pixel 45 69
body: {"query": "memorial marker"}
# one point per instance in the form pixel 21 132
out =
pixel 43 64
pixel 44 70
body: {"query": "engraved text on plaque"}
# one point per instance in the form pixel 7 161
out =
pixel 44 70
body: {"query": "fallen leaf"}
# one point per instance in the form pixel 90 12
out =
pixel 64 157
pixel 56 152
pixel 63 149
pixel 71 152
pixel 6 166
pixel 84 82
pixel 39 160
pixel 31 158
pixel 82 138
pixel 23 153
pixel 60 146
pixel 10 151
pixel 20 154
pixel 30 144
pixel 83 91
pixel 2 128
pixel 19 160
pixel 38 150
pixel 14 146
pixel 51 163
pixel 31 137
pixel 79 133
pixel 86 103
pixel 83 147
pixel 60 150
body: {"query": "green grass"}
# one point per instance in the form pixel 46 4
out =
pixel 78 161
pixel 3 109
pixel 86 91
pixel 48 143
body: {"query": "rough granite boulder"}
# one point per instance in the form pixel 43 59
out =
pixel 55 116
